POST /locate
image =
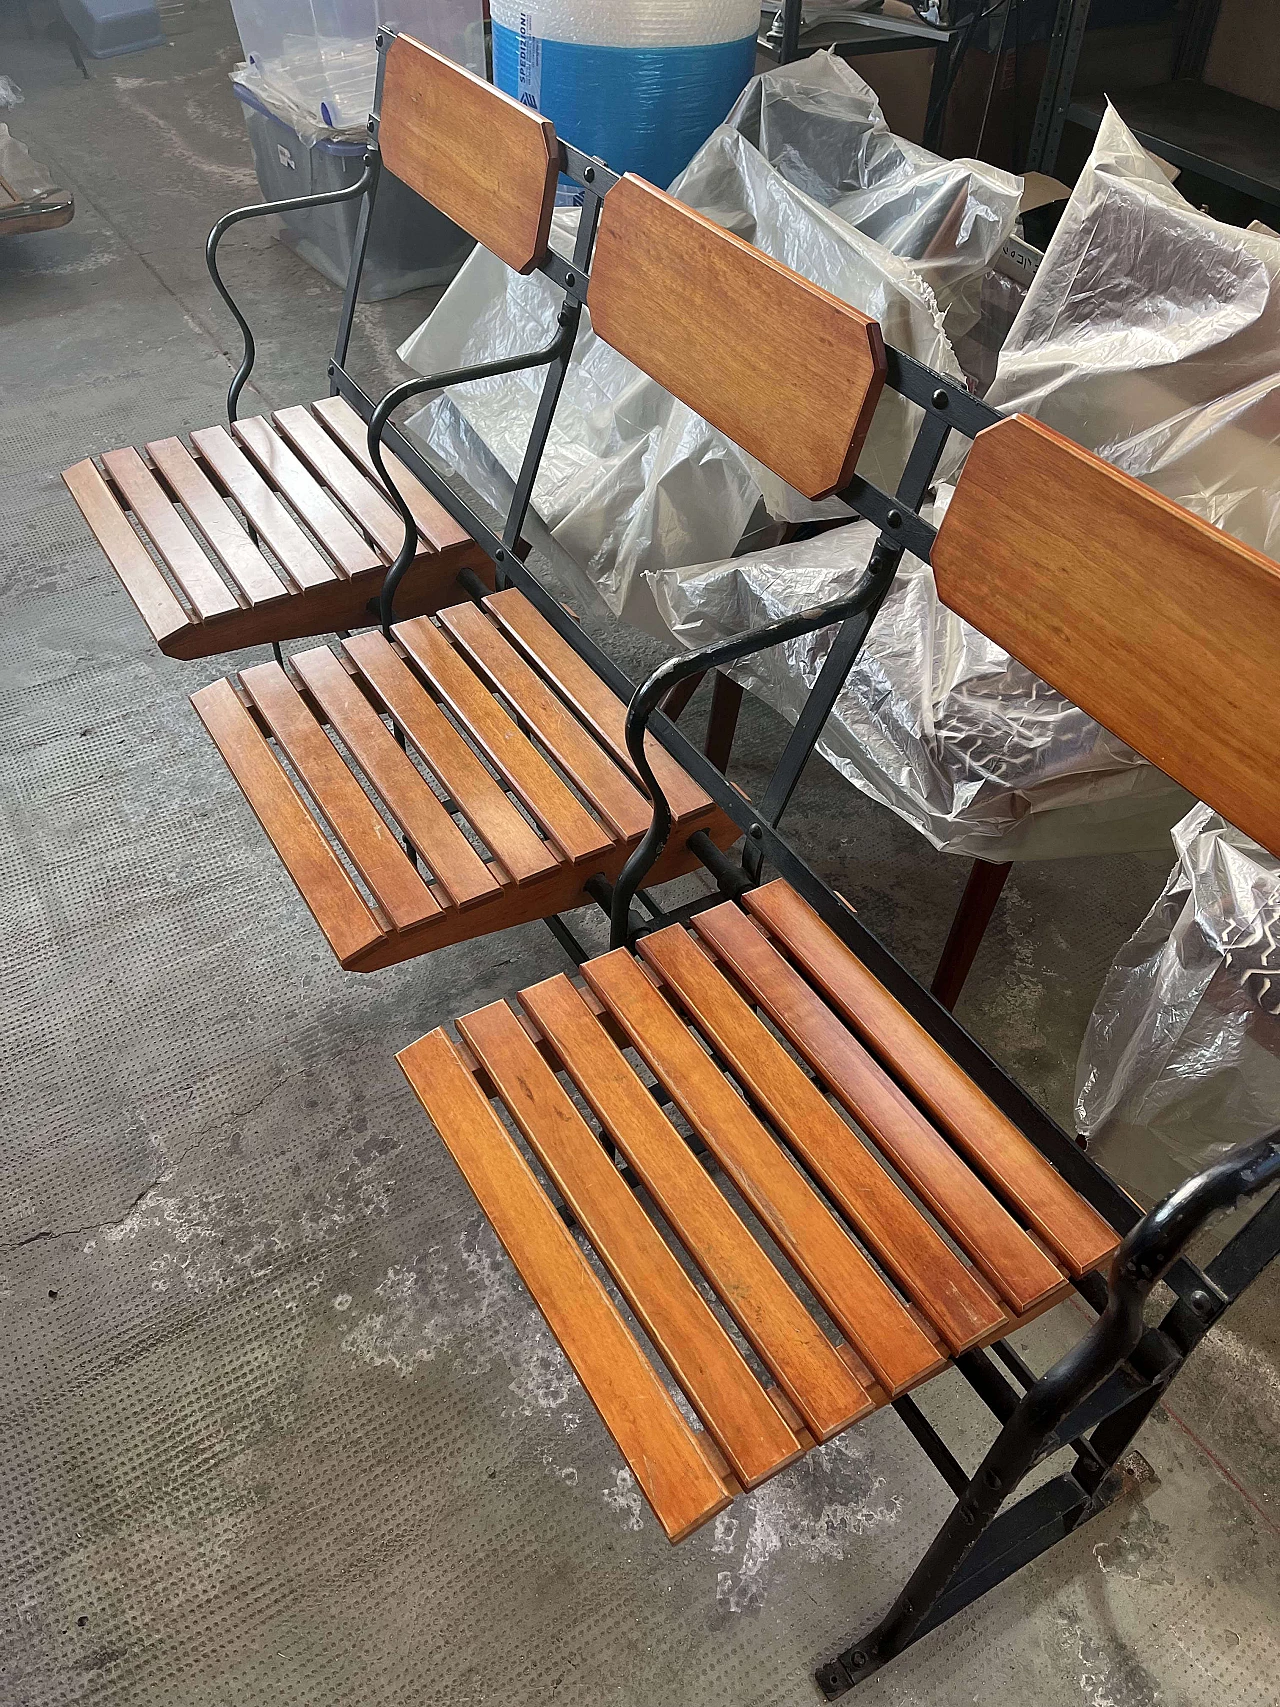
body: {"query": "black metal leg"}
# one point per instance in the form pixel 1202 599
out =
pixel 974 1550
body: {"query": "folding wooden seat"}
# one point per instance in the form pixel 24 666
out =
pixel 272 529
pixel 449 775
pixel 810 1190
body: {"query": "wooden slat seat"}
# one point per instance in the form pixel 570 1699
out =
pixel 271 530
pixel 860 1212
pixel 504 791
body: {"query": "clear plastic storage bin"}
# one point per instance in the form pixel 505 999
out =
pixel 320 55
pixel 411 243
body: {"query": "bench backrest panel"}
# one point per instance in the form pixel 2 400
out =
pixel 470 150
pixel 1155 623
pixel 785 369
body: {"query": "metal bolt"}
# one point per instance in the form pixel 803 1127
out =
pixel 500 556
pixel 967 1515
pixel 1201 1302
pixel 369 126
pixel 894 519
pixel 590 174
pixel 755 832
pixel 330 370
pixel 857 1657
pixel 570 279
pixel 940 399
pixel 991 1479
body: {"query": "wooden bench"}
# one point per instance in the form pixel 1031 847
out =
pixel 868 1197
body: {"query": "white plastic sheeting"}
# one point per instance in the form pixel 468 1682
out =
pixel 934 721
pixel 1151 334
pixel 1182 1054
pixel 633 481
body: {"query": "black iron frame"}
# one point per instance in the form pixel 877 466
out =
pixel 1094 1401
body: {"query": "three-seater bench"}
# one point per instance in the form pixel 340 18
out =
pixel 810 1190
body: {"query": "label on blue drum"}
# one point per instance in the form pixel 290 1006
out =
pixel 528 63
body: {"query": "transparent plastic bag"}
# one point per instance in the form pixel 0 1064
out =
pixel 633 481
pixel 1181 1057
pixel 1151 334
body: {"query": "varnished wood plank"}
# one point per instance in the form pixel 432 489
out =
pixel 454 863
pixel 696 1349
pixel 157 604
pixel 488 162
pixel 191 569
pixel 925 1267
pixel 785 369
pixel 1062 1218
pixel 577 753
pixel 349 549
pixel 298 557
pixel 1012 1261
pixel 339 475
pixel 334 901
pixel 596 704
pixel 784 1335
pixel 478 797
pixel 233 548
pixel 370 845
pixel 1157 624
pixel 435 524
pixel 561 815
pixel 664 1454
pixel 844 1281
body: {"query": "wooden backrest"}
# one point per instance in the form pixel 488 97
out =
pixel 1155 623
pixel 470 150
pixel 785 369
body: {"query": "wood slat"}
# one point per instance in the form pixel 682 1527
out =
pixel 486 161
pixel 1159 625
pixel 696 1349
pixel 453 861
pixel 146 586
pixel 435 524
pixel 1014 1263
pixel 561 815
pixel 335 903
pixel 846 1284
pixel 1067 1224
pixel 664 1454
pixel 598 707
pixel 369 843
pixel 926 1268
pixel 350 551
pixel 233 548
pixel 577 753
pixel 788 371
pixel 482 803
pixel 191 569
pixel 298 558
pixel 772 1317
pixel 339 474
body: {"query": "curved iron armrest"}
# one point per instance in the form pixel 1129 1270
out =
pixel 365 182
pixel 436 382
pixel 881 568
pixel 1148 1252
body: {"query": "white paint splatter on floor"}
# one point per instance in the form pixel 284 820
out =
pixel 816 1508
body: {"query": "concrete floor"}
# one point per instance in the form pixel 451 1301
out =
pixel 277 1423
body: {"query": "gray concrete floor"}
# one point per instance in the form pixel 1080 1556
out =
pixel 277 1423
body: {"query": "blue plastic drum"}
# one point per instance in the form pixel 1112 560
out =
pixel 641 91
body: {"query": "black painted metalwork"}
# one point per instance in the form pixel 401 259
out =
pixel 364 185
pixel 1147 1254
